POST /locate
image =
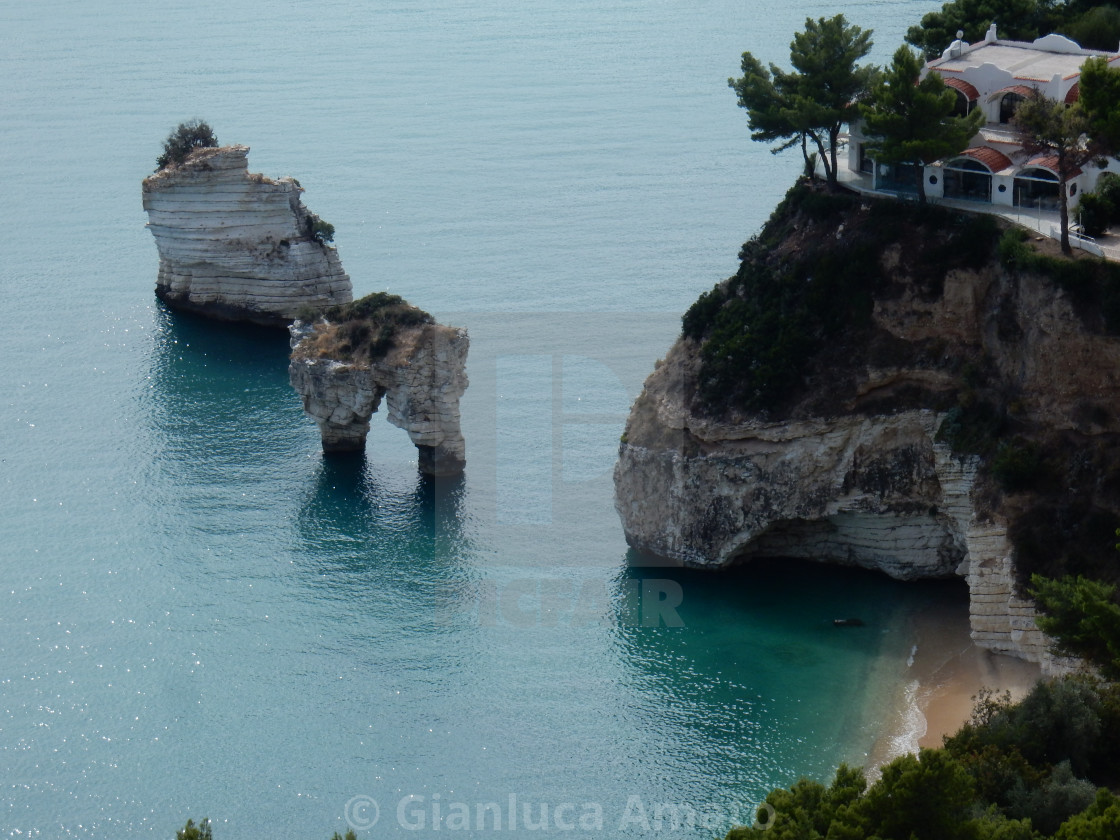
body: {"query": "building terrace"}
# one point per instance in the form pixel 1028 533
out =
pixel 994 75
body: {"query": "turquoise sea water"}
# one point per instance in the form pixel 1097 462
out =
pixel 200 616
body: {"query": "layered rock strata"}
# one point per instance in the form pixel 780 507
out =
pixel 869 484
pixel 236 245
pixel 421 378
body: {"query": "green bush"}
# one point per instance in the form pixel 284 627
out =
pixel 1108 187
pixel 1097 29
pixel 702 314
pixel 195 832
pixel 1093 284
pixel 367 327
pixel 1017 465
pixel 322 232
pixel 762 330
pixel 1101 821
pixel 972 428
pixel 1095 213
pixel 1054 801
pixel 187 137
pixel 1083 615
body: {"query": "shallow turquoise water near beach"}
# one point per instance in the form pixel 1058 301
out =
pixel 199 615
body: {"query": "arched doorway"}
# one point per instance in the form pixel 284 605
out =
pixel 968 179
pixel 1037 188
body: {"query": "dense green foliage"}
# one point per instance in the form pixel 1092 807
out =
pixel 1093 285
pixel 1084 616
pixel 761 330
pixel 972 427
pixel 195 832
pixel 187 137
pixel 1017 464
pixel 817 98
pixel 761 327
pixel 1089 24
pixel 1099 96
pixel 1094 213
pixel 913 122
pixel 322 232
pixel 1100 209
pixel 1049 127
pixel 1014 772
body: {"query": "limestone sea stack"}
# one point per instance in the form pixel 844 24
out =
pixel 884 389
pixel 236 245
pixel 343 364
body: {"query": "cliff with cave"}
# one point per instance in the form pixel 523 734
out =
pixel 880 385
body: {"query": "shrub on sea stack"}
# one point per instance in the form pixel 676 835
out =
pixel 362 331
pixel 188 136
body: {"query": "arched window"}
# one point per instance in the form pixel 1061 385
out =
pixel 1008 105
pixel 963 106
pixel 1036 187
pixel 968 179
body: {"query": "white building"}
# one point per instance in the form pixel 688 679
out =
pixel 995 75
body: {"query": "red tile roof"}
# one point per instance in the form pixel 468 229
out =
pixel 1022 90
pixel 1051 162
pixel 964 87
pixel 1074 93
pixel 991 158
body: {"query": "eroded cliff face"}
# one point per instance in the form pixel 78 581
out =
pixel 865 480
pixel 421 378
pixel 235 245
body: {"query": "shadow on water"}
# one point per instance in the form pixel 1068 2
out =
pixel 219 392
pixel 395 535
pixel 227 444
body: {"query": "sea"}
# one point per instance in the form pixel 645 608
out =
pixel 201 616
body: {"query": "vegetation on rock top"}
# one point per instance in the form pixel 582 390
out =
pixel 188 136
pixel 362 331
pixel 806 286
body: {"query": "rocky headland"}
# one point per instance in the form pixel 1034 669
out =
pixel 901 389
pixel 236 245
pixel 345 362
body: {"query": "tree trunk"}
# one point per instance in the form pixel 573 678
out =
pixel 1063 202
pixel 810 174
pixel 829 170
pixel 921 170
pixel 833 137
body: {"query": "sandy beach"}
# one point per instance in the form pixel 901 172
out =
pixel 945 672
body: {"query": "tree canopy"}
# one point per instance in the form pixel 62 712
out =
pixel 1017 20
pixel 188 136
pixel 1083 616
pixel 1060 130
pixel 913 122
pixel 1100 98
pixel 817 98
pixel 1089 24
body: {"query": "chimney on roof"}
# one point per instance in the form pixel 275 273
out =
pixel 991 37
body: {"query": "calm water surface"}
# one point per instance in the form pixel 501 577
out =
pixel 200 616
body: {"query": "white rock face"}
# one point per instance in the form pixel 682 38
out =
pixel 421 378
pixel 237 246
pixel 867 488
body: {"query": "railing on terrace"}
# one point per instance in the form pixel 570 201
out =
pixel 1079 240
